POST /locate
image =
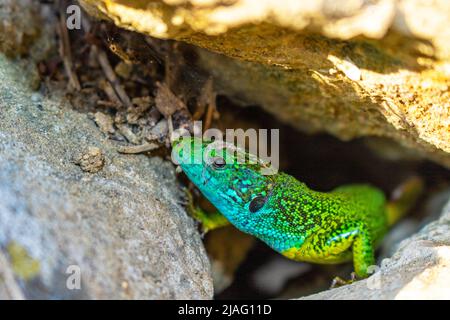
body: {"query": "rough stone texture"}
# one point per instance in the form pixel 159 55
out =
pixel 419 269
pixel 342 19
pixel 123 226
pixel 19 26
pixel 379 68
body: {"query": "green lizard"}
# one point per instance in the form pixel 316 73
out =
pixel 305 225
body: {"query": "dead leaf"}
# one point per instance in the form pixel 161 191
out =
pixel 166 102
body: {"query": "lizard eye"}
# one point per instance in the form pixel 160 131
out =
pixel 256 204
pixel 218 163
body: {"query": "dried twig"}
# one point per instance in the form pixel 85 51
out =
pixel 209 115
pixel 209 97
pixel 111 76
pixel 108 104
pixel 65 50
pixel 138 149
pixel 110 92
pixel 102 59
pixel 199 112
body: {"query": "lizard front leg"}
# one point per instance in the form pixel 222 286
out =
pixel 209 221
pixel 363 255
pixel 353 236
pixel 338 245
pixel 363 252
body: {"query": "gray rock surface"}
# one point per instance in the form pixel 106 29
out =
pixel 122 229
pixel 419 269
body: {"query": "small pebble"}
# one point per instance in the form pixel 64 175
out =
pixel 90 160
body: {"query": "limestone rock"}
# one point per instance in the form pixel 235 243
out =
pixel 378 68
pixel 123 229
pixel 343 19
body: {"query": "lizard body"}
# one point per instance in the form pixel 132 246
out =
pixel 302 224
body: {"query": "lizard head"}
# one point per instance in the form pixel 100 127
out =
pixel 230 178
